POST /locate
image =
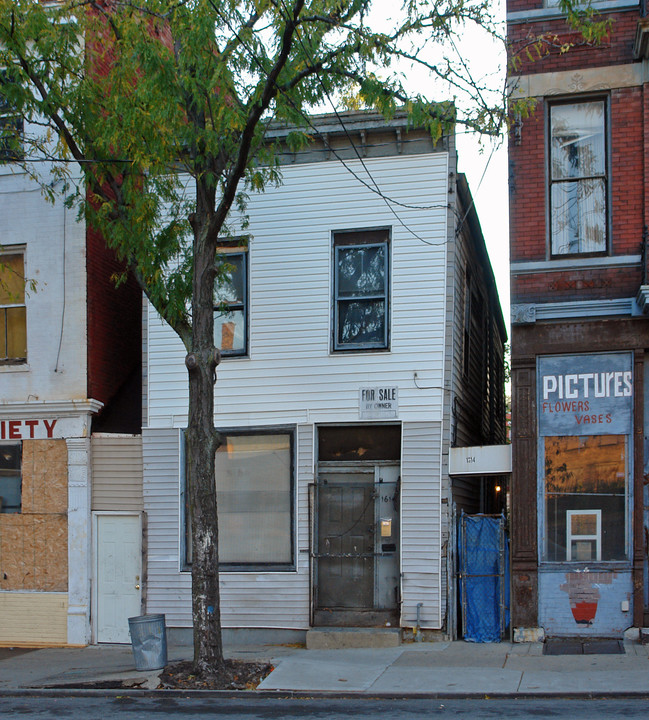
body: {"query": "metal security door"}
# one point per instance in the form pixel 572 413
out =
pixel 356 576
pixel 119 572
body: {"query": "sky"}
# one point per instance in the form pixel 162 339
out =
pixel 486 167
pixel 484 163
pixel 487 176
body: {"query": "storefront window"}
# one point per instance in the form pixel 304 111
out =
pixel 254 483
pixel 585 498
pixel 585 423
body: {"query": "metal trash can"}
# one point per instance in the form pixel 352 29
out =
pixel 149 641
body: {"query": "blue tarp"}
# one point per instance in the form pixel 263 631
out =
pixel 481 577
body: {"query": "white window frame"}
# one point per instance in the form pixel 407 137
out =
pixel 596 537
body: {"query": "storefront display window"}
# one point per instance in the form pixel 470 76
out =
pixel 585 422
pixel 585 498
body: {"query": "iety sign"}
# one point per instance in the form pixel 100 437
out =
pixel 31 429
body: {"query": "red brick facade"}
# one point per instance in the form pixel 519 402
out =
pixel 114 325
pixel 549 322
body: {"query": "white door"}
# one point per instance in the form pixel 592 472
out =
pixel 119 575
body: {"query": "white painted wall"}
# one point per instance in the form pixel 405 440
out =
pixel 55 259
pixel 290 374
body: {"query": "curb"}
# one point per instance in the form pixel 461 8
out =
pixel 319 694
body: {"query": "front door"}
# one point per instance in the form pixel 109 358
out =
pixel 119 575
pixel 356 545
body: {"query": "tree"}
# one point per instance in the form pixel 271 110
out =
pixel 123 101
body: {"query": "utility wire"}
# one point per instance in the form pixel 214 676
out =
pixel 373 188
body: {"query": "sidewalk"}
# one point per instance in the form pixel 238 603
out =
pixel 438 669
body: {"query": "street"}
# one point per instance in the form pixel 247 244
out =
pixel 129 707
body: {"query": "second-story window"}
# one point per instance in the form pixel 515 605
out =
pixel 231 301
pixel 361 275
pixel 578 192
pixel 13 314
pixel 11 124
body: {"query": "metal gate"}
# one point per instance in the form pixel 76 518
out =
pixel 483 555
pixel 355 546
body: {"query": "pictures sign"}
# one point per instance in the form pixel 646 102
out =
pixel 585 394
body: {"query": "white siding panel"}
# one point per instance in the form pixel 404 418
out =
pixel 290 373
pixel 168 590
pixel 248 599
pixel 117 473
pixel 420 524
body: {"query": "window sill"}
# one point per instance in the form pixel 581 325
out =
pixel 14 367
pixel 551 13
pixel 584 567
pixel 357 350
pixel 259 569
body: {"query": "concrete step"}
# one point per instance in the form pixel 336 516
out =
pixel 335 638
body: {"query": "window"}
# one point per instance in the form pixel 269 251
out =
pixel 13 316
pixel 10 478
pixel 11 124
pixel 231 301
pixel 578 161
pixel 585 498
pixel 254 481
pixel 361 266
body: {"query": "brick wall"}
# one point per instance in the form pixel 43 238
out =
pixel 528 192
pixel 616 49
pixel 114 322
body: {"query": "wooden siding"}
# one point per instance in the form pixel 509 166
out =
pixel 248 599
pixel 33 619
pixel 117 473
pixel 291 376
pixel 421 536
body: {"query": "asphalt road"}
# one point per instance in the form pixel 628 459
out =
pixel 160 708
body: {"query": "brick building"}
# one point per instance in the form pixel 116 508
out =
pixel 578 219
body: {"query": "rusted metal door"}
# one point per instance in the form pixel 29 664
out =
pixel 356 576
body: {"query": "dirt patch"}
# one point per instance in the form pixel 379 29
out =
pixel 239 675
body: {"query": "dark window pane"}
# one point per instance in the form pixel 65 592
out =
pixel 359 442
pixel 231 288
pixel 10 478
pixel 361 322
pixel 361 271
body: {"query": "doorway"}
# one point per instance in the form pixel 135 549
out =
pixel 356 580
pixel 119 575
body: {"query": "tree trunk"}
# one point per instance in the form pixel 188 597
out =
pixel 202 443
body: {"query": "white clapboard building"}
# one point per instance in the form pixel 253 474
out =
pixel 363 338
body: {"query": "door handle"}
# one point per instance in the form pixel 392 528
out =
pixel 137 587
